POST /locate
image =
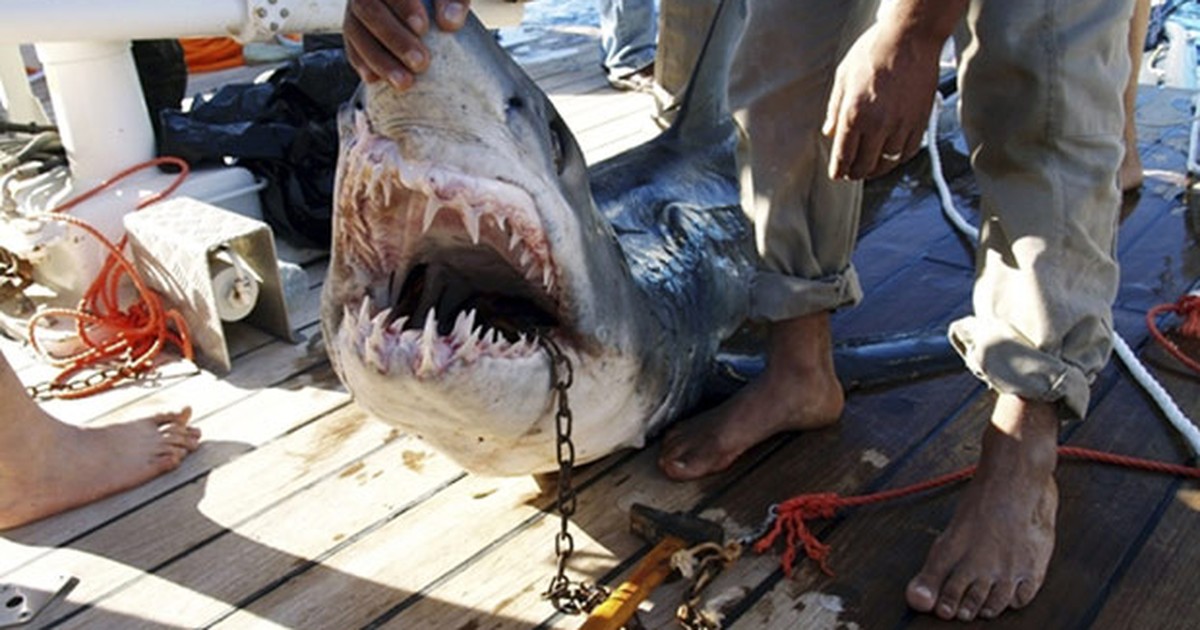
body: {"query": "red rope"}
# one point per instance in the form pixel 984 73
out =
pixel 130 337
pixel 793 515
pixel 1188 308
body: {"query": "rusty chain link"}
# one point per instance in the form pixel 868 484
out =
pixel 51 389
pixel 569 597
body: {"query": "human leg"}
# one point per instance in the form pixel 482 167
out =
pixel 628 36
pixel 1131 174
pixel 805 225
pixel 1041 104
pixel 48 466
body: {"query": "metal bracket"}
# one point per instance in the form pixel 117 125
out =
pixel 19 605
pixel 266 19
pixel 178 243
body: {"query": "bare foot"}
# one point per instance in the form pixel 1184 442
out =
pixel 799 390
pixel 48 466
pixel 993 555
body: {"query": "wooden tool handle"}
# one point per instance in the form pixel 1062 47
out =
pixel 623 602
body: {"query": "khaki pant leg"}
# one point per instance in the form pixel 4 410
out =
pixel 1041 86
pixel 806 224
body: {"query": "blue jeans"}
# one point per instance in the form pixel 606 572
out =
pixel 628 35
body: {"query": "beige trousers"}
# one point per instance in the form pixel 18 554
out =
pixel 1040 86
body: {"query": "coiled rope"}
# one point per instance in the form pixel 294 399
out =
pixel 124 340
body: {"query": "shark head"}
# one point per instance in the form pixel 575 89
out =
pixel 465 234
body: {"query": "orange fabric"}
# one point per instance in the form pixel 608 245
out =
pixel 207 54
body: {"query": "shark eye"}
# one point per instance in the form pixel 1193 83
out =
pixel 557 143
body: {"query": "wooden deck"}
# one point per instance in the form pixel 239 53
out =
pixel 299 511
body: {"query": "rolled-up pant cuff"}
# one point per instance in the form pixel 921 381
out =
pixel 995 354
pixel 776 296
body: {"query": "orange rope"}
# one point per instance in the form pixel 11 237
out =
pixel 793 514
pixel 1188 307
pixel 131 337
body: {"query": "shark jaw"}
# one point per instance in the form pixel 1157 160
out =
pixel 445 282
pixel 452 268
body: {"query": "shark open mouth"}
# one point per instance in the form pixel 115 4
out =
pixel 456 268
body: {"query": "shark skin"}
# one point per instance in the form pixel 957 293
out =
pixel 468 230
pixel 467 227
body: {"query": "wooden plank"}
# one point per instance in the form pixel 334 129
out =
pixel 878 549
pixel 526 559
pixel 1158 590
pixel 870 559
pixel 208 508
pixel 229 431
pixel 773 601
pixel 1164 564
pixel 415 554
pixel 879 432
pixel 257 554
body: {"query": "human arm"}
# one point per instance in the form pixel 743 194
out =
pixel 383 37
pixel 884 86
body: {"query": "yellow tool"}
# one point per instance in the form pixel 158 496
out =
pixel 670 532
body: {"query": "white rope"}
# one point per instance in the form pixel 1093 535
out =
pixel 1141 375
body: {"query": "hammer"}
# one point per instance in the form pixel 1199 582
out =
pixel 670 532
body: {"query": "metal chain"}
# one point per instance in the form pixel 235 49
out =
pixel 707 561
pixel 569 597
pixel 50 389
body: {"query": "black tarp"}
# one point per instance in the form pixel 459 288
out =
pixel 283 130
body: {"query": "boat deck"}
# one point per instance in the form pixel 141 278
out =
pixel 300 511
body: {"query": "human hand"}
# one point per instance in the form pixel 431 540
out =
pixel 383 37
pixel 879 106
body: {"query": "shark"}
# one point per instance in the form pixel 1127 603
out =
pixel 474 251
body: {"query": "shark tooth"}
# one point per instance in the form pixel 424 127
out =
pixel 462 329
pixel 513 240
pixel 364 311
pixel 380 319
pixel 378 328
pixel 471 221
pixel 432 205
pixel 428 339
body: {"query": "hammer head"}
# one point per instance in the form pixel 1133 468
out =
pixel 654 525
